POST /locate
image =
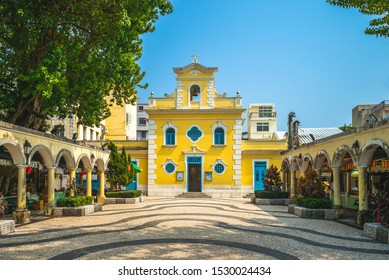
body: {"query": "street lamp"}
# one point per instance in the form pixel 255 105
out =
pixel 27 147
pixel 355 146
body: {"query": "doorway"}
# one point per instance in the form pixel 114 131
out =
pixel 194 174
pixel 259 173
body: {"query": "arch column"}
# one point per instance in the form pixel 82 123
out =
pixel 363 200
pixel 101 198
pixel 50 186
pixel 293 184
pixel 88 191
pixel 72 180
pixel 337 197
pixel 50 191
pixel 284 180
pixel 318 172
pixel 21 215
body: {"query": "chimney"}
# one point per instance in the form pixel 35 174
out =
pixel 296 141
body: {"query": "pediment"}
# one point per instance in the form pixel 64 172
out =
pixel 195 69
pixel 194 150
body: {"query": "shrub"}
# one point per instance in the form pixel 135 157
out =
pixel 74 201
pixel 310 186
pixel 3 205
pixel 314 203
pixel 381 201
pixel 272 179
pixel 124 194
pixel 271 194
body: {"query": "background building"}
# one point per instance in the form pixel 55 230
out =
pixel 370 115
pixel 262 121
pixel 122 123
pixel 141 122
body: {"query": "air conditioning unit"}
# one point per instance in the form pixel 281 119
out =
pixel 105 129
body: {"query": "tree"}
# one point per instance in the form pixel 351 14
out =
pixel 378 26
pixel 67 57
pixel 272 179
pixel 118 172
pixel 310 185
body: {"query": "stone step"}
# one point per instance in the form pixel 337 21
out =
pixel 193 195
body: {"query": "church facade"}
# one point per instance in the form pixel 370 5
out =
pixel 195 141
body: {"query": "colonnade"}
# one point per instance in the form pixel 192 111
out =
pixel 22 215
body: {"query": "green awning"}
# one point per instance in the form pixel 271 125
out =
pixel 136 167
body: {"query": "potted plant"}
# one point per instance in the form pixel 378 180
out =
pixel 380 197
pixel 379 230
pixel 3 205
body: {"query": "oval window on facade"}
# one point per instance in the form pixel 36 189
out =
pixel 169 168
pixel 219 168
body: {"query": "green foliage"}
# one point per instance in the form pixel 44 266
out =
pixel 272 179
pixel 310 185
pixel 70 57
pixel 75 201
pixel 118 173
pixel 3 205
pixel 124 194
pixel 271 194
pixel 347 127
pixel 381 201
pixel 379 26
pixel 314 203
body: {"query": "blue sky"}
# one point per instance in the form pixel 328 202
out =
pixel 304 56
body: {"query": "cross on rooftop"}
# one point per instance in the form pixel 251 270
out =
pixel 195 56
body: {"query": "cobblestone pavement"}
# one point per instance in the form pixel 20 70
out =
pixel 189 229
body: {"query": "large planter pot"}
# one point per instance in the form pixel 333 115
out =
pixel 377 232
pixel 271 201
pixel 76 211
pixel 7 226
pixel 326 214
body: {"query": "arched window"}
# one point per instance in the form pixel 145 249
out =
pixel 170 137
pixel 219 136
pixel 195 93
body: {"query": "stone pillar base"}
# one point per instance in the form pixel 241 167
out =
pixel 363 217
pixel 101 200
pixel 49 209
pixel 21 216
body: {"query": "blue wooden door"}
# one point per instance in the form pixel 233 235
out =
pixel 134 184
pixel 259 172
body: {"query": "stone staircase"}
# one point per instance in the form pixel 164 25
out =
pixel 193 195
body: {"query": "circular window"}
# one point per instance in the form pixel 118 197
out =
pixel 169 168
pixel 219 168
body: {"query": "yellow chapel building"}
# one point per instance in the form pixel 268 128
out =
pixel 195 141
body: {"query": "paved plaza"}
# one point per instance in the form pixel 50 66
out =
pixel 189 229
